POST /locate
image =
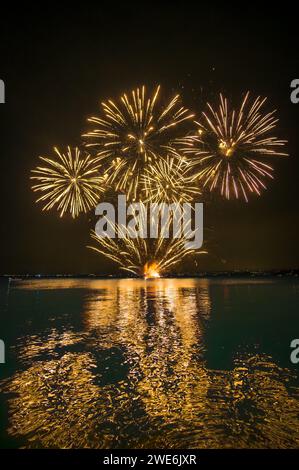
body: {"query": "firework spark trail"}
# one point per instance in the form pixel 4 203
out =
pixel 145 257
pixel 71 182
pixel 230 145
pixel 133 133
pixel 169 181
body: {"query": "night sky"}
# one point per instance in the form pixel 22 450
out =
pixel 59 63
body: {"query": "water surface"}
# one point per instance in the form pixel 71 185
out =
pixel 169 363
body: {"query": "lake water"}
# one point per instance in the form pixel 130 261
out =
pixel 169 363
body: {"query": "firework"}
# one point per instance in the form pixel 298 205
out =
pixel 169 181
pixel 143 257
pixel 151 270
pixel 230 147
pixel 71 182
pixel 133 133
pixel 146 257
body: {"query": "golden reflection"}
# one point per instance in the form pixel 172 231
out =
pixel 52 401
pixel 35 346
pixel 140 377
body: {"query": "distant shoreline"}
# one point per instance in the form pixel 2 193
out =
pixel 206 274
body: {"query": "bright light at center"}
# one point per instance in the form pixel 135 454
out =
pixel 151 271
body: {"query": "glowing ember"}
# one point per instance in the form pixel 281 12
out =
pixel 151 271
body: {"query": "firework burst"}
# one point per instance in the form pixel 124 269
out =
pixel 134 132
pixel 145 257
pixel 169 181
pixel 230 147
pixel 70 182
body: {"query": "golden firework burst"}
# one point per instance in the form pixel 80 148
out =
pixel 145 257
pixel 169 180
pixel 70 182
pixel 230 148
pixel 134 132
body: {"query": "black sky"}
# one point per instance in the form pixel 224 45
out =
pixel 58 63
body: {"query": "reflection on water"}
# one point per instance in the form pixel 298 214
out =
pixel 162 363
